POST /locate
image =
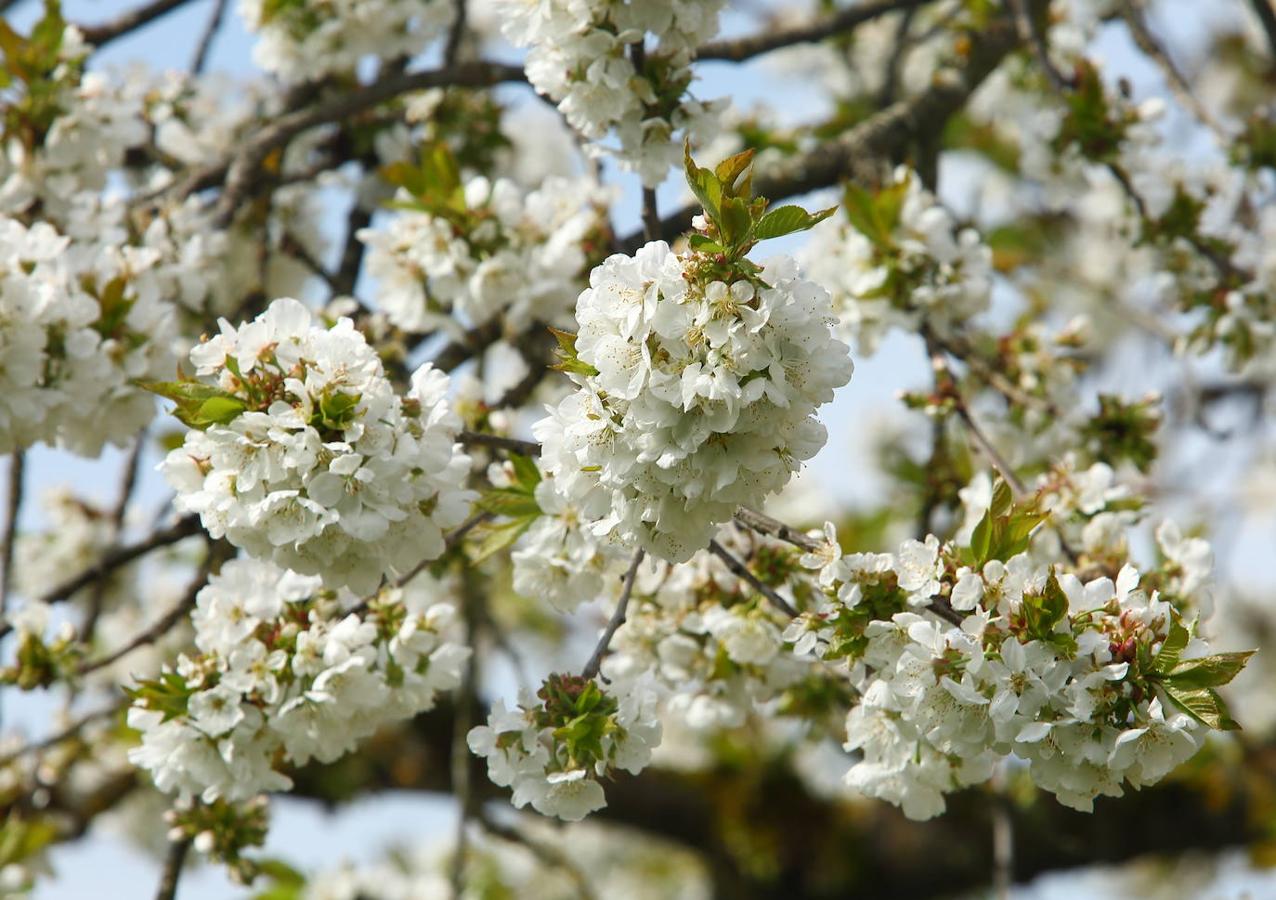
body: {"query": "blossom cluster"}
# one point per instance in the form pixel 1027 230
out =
pixel 713 649
pixel 302 452
pixel 559 561
pixel 305 40
pixel 960 662
pixel 899 260
pixel 580 57
pixel 497 250
pixel 697 388
pixel 78 323
pixel 287 670
pixel 552 749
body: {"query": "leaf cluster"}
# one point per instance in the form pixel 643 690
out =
pixel 737 220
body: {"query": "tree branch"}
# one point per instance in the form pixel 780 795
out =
pixel 740 49
pixel 495 442
pixel 13 508
pixel 183 528
pixel 101 35
pixel 764 524
pixel 860 153
pixel 1266 18
pixel 166 622
pixel 241 170
pixel 172 872
pixel 65 734
pixel 617 619
pixel 210 33
pixel 740 570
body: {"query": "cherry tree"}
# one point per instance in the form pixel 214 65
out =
pixel 472 365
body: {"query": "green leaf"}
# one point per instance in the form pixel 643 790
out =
pixel 495 537
pixel 568 361
pixel 1168 656
pixel 704 184
pixel 183 391
pixel 981 540
pixel 513 502
pixel 1204 705
pixel 198 405
pixel 220 410
pixel 1002 498
pixel 862 213
pixel 787 220
pixel 704 244
pixel 286 882
pixel 735 224
pixel 730 168
pixel 526 474
pixel 1054 602
pixel 1209 671
pixel 1016 533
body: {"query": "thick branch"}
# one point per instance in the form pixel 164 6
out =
pixel 822 847
pixel 1267 18
pixel 100 35
pixel 744 48
pixel 495 442
pixel 861 152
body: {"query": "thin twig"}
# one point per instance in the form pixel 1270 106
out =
pixel 13 508
pixel 890 76
pixel 947 384
pixel 100 35
pixel 240 169
pixel 173 863
pixel 1003 837
pixel 1032 36
pixel 740 570
pixel 352 254
pixel 472 599
pixel 740 49
pixel 65 734
pixel 1228 272
pixel 128 483
pixel 183 528
pixel 214 25
pixel 451 541
pixel 1004 469
pixel 617 619
pixel 1136 18
pixel 292 246
pixel 164 624
pixel 546 854
pixel 496 442
pixel 764 524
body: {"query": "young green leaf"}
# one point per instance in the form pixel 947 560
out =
pixel 788 220
pixel 1209 671
pixel 1168 656
pixel 1204 705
